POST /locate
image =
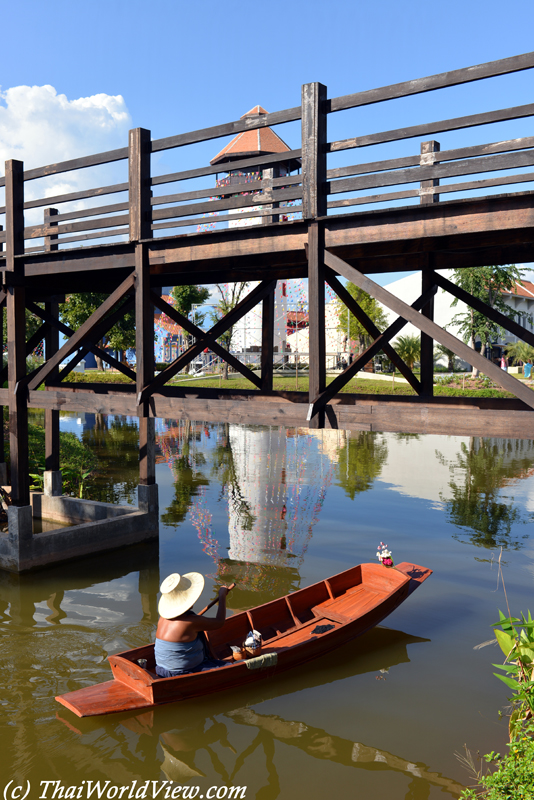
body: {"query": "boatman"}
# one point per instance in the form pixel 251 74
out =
pixel 179 646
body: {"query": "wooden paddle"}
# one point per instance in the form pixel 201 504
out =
pixel 232 585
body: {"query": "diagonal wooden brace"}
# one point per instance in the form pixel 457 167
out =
pixel 175 315
pixel 68 332
pixel 426 325
pixel 339 382
pixel 496 316
pixel 371 328
pixel 242 308
pixel 90 326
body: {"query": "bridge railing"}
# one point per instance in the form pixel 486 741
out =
pixel 430 166
pixel 265 199
pixel 141 213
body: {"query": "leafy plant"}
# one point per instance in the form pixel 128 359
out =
pixel 513 777
pixel 518 648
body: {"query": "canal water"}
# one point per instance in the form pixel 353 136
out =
pixel 275 509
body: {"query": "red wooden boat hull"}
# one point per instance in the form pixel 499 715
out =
pixel 350 602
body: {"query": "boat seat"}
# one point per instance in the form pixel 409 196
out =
pixel 320 612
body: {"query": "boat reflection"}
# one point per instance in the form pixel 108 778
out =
pixel 207 726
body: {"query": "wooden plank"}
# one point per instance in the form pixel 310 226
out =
pixel 76 163
pixel 139 184
pixel 316 309
pixel 445 338
pixel 276 158
pixel 218 205
pixel 501 319
pixel 313 150
pixel 373 198
pixel 455 77
pixel 84 330
pixel 430 128
pixel 445 155
pixel 264 213
pixel 267 342
pixel 91 212
pixel 72 196
pixel 198 333
pixel 371 328
pixel 435 171
pixel 16 334
pixel 232 189
pixel 242 308
pixel 144 336
pixel 38 231
pixel 227 129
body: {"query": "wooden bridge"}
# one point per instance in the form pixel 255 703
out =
pixel 145 250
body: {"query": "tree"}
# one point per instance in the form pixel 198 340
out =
pixel 185 297
pixel 520 351
pixel 488 285
pixel 78 308
pixel 356 330
pixel 230 295
pixel 441 350
pixel 408 348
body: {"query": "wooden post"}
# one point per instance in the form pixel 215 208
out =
pixel 428 150
pixel 267 342
pixel 140 228
pixel 316 301
pixel 52 464
pixel 314 201
pixel 267 178
pixel 314 142
pixel 16 333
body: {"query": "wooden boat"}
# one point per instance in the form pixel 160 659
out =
pixel 295 628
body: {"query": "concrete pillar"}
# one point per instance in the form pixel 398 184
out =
pixel 53 483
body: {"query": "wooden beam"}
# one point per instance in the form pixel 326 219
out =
pixel 16 333
pixel 139 184
pixel 91 348
pixel 242 308
pixel 89 326
pixel 428 158
pixel 360 361
pixel 316 306
pixel 267 342
pixel 371 328
pixel 496 316
pixel 313 150
pixel 199 334
pixel 445 338
pixel 427 343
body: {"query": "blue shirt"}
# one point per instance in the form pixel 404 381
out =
pixel 178 656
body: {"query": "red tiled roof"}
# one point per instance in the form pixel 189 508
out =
pixel 262 141
pixel 522 289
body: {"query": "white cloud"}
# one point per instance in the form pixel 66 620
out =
pixel 39 126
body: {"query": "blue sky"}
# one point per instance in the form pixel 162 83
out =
pixel 178 66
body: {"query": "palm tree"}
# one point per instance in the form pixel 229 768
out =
pixel 441 350
pixel 408 348
pixel 520 351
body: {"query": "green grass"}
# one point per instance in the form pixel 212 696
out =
pixel 290 384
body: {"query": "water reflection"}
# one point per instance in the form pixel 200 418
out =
pixel 203 739
pixel 479 472
pixel 361 459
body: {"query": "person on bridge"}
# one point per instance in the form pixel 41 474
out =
pixel 180 642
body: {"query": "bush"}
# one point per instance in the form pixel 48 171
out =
pixel 77 460
pixel 513 778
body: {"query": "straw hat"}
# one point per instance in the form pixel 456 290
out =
pixel 178 593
